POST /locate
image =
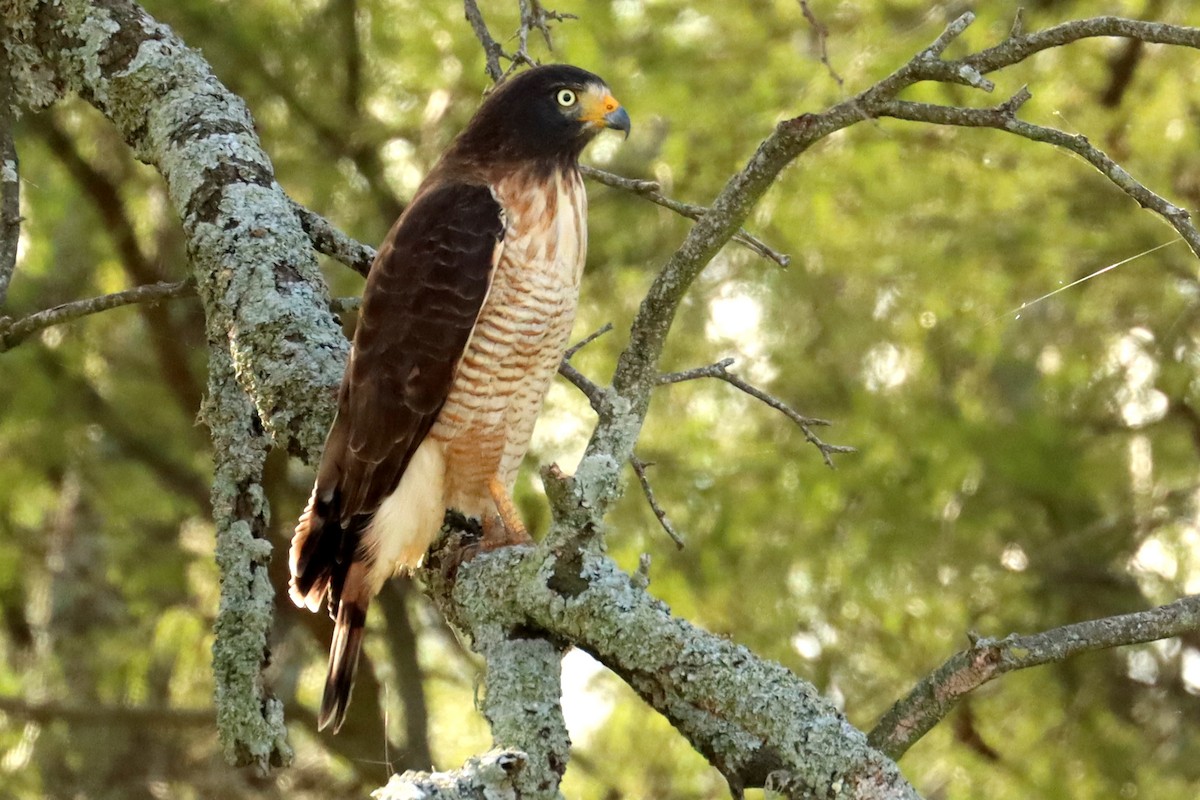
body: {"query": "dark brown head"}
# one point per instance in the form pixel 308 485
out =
pixel 543 114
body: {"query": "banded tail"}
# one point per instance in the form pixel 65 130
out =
pixel 323 564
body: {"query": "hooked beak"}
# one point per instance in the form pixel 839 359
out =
pixel 618 119
pixel 601 110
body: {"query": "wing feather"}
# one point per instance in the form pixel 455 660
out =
pixel 423 295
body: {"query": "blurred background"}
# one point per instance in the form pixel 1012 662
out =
pixel 1015 471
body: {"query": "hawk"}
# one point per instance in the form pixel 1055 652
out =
pixel 465 317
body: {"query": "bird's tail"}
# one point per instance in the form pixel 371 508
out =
pixel 321 551
pixel 344 651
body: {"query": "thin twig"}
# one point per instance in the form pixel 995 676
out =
pixel 822 39
pixel 1004 117
pixel 492 51
pixel 938 693
pixel 639 467
pixel 720 371
pixel 585 341
pixel 650 191
pixel 332 242
pixel 13 332
pixel 597 395
pixel 533 18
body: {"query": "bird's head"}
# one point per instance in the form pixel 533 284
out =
pixel 546 113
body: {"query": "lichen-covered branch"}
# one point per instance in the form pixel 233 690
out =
pixel 252 262
pixel 10 182
pixel 490 776
pixel 938 693
pixel 750 717
pixel 333 243
pixel 249 718
pixel 13 332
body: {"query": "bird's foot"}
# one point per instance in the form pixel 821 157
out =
pixel 505 527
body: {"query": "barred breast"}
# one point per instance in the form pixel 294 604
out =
pixel 519 339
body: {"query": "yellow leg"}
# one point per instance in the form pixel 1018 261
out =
pixel 507 528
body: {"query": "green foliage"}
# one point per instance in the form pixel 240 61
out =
pixel 1016 470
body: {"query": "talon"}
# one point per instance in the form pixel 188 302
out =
pixel 505 527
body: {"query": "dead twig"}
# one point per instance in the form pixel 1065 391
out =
pixel 13 332
pixel 650 191
pixel 720 371
pixel 639 468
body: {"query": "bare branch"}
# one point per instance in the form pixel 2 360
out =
pixel 822 34
pixel 131 716
pixel 13 332
pixel 492 51
pixel 937 694
pixel 585 341
pixel 639 468
pixel 721 372
pixel 597 395
pixel 10 183
pixel 332 242
pixel 1019 47
pixel 650 191
pixel 1004 117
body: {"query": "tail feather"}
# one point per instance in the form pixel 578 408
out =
pixel 344 651
pixel 320 553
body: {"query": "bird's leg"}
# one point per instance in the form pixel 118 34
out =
pixel 506 527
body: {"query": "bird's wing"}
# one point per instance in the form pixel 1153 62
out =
pixel 423 295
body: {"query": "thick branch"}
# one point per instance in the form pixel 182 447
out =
pixel 10 182
pixel 490 776
pixel 750 717
pixel 252 262
pixel 937 695
pixel 249 717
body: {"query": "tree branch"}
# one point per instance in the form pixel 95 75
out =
pixel 937 694
pixel 750 717
pixel 131 716
pixel 333 243
pixel 639 469
pixel 650 191
pixel 249 717
pixel 1004 117
pixel 253 265
pixel 492 51
pixel 13 332
pixel 10 183
pixel 721 372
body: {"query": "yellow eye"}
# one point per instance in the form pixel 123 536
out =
pixel 566 98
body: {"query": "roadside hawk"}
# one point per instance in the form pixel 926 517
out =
pixel 465 317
